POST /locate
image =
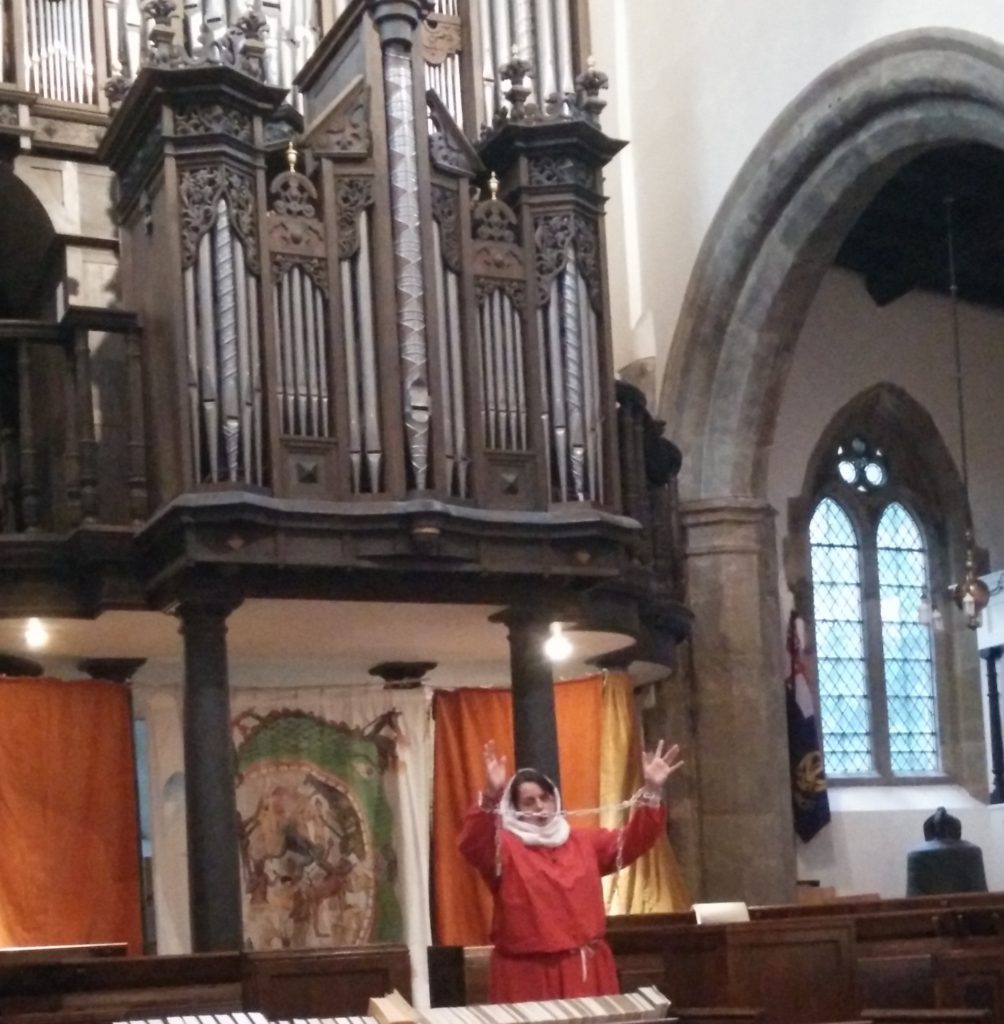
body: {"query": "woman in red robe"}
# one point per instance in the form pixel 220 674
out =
pixel 549 919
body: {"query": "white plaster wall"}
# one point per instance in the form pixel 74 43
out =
pixel 848 344
pixel 694 86
pixel 864 848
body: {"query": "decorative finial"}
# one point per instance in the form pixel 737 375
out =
pixel 588 86
pixel 291 156
pixel 493 187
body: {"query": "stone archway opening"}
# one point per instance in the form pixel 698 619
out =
pixel 26 244
pixel 758 271
pixel 783 221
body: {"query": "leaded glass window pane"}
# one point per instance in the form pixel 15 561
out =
pixel 844 707
pixel 906 643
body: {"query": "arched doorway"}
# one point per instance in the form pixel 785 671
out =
pixel 758 271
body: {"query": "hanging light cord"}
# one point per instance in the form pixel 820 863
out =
pixel 953 291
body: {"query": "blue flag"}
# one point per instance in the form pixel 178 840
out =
pixel 809 799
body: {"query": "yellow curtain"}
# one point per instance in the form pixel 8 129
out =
pixel 69 852
pixel 654 883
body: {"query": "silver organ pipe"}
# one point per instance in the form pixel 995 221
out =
pixel 503 385
pixel 301 362
pixel 573 392
pixel 192 363
pixel 352 373
pixel 244 383
pixel 368 360
pixel 226 340
pixel 59 50
pixel 455 348
pixel 223 358
pixel 359 339
pixel 559 423
pixel 440 271
pixel 539 31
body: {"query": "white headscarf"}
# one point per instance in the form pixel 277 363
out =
pixel 551 833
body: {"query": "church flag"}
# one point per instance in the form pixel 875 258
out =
pixel 810 802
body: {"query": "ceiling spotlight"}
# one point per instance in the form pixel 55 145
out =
pixel 557 647
pixel 36 635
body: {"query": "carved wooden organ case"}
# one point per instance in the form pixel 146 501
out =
pixel 360 302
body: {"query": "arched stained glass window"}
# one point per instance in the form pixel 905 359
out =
pixel 840 648
pixel 906 643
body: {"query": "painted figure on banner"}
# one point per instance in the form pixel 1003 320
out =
pixel 317 855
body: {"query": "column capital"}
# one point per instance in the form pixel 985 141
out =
pixel 206 593
pixel 726 509
pixel 397 20
pixel 727 526
pixel 525 616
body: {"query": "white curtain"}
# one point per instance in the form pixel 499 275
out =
pixel 292 812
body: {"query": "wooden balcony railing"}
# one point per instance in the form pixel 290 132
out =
pixel 72 445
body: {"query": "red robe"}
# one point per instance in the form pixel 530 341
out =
pixel 549 918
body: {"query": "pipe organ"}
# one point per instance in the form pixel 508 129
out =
pixel 374 304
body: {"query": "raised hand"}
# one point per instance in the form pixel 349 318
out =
pixel 496 772
pixel 658 765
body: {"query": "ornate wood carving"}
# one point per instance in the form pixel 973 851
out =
pixel 559 170
pixel 283 262
pixel 498 261
pixel 295 233
pixel 352 196
pixel 141 162
pixel 449 149
pixel 200 190
pixel 444 210
pixel 485 286
pixel 212 119
pixel 553 234
pixel 441 36
pixel 345 131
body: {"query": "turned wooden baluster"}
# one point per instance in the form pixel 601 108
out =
pixel 29 479
pixel 138 500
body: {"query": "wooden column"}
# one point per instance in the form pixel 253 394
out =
pixel 211 815
pixel 533 719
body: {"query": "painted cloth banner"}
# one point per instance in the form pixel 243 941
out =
pixel 809 799
pixel 332 803
pixel 69 857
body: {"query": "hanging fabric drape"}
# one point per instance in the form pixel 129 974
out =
pixel 333 795
pixel 653 883
pixel 465 720
pixel 599 743
pixel 69 859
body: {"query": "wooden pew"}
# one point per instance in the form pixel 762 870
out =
pixel 973 978
pixel 282 985
pixel 717 1014
pixel 42 954
pixel 937 1016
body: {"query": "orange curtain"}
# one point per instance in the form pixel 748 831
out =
pixel 69 848
pixel 465 720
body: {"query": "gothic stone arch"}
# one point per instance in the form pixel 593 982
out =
pixel 759 267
